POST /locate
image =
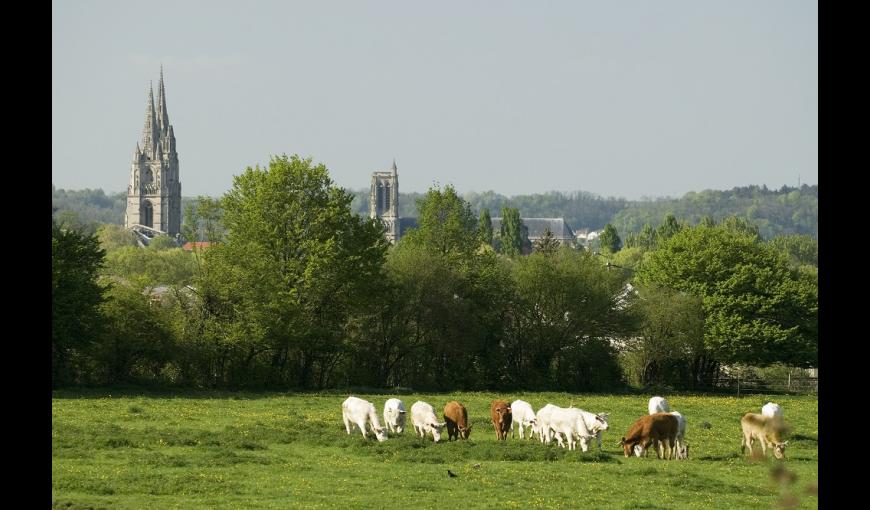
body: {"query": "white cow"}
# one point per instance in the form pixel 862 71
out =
pixel 358 412
pixel 394 415
pixel 523 416
pixel 570 423
pixel 771 410
pixel 658 405
pixel 595 424
pixel 680 446
pixel 543 420
pixel 424 420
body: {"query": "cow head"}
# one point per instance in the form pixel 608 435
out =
pixel 601 420
pixel 779 449
pixel 436 427
pixel 381 434
pixel 464 432
pixel 627 447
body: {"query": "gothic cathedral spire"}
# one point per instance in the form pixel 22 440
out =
pixel 154 190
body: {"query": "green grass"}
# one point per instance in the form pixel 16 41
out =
pixel 279 450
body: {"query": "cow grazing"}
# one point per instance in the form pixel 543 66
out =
pixel 681 448
pixel 661 427
pixel 523 416
pixel 658 405
pixel 358 412
pixel 543 420
pixel 456 419
pixel 394 415
pixel 500 412
pixel 424 420
pixel 570 422
pixel 771 410
pixel 767 430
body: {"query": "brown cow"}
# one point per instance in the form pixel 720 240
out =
pixel 662 427
pixel 767 430
pixel 456 418
pixel 500 411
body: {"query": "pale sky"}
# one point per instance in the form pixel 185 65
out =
pixel 619 98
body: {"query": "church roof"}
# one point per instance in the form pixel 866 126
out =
pixel 537 226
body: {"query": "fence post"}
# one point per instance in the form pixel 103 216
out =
pixel 738 383
pixel 789 380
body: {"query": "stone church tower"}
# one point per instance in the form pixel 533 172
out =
pixel 154 192
pixel 384 201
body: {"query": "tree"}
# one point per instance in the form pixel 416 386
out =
pixel 800 249
pixel 446 224
pixel 113 237
pixel 547 244
pixel 137 340
pixel 741 225
pixel 567 306
pixel 757 310
pixel 669 347
pixel 202 220
pixel 151 266
pixel 511 232
pixel 162 242
pixel 668 228
pixel 485 227
pixel 609 239
pixel 295 264
pixel 76 258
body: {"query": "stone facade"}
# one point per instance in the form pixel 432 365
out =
pixel 154 191
pixel 384 201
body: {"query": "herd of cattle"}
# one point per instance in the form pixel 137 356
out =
pixel 662 428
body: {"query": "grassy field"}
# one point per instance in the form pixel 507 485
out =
pixel 279 450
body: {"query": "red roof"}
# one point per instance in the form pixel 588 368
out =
pixel 199 244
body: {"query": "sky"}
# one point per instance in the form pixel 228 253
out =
pixel 628 99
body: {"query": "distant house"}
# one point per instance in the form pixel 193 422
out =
pixel 189 246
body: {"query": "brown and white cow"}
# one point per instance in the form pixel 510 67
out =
pixel 661 427
pixel 456 418
pixel 500 411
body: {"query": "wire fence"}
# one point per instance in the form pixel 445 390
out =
pixel 740 385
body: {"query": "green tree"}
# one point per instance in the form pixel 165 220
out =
pixel 162 242
pixel 76 258
pixel 446 224
pixel 669 347
pixel 741 225
pixel 668 228
pixel 511 238
pixel 137 340
pixel 113 236
pixel 151 266
pixel 485 226
pixel 800 249
pixel 567 306
pixel 757 310
pixel 609 239
pixel 295 265
pixel 547 244
pixel 202 220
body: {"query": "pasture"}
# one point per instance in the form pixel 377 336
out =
pixel 191 450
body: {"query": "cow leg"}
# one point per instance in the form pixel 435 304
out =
pixel 346 424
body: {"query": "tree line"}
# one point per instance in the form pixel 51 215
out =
pixel 297 290
pixel 786 211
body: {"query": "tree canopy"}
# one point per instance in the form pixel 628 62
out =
pixel 757 309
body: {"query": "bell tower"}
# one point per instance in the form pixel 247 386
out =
pixel 384 201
